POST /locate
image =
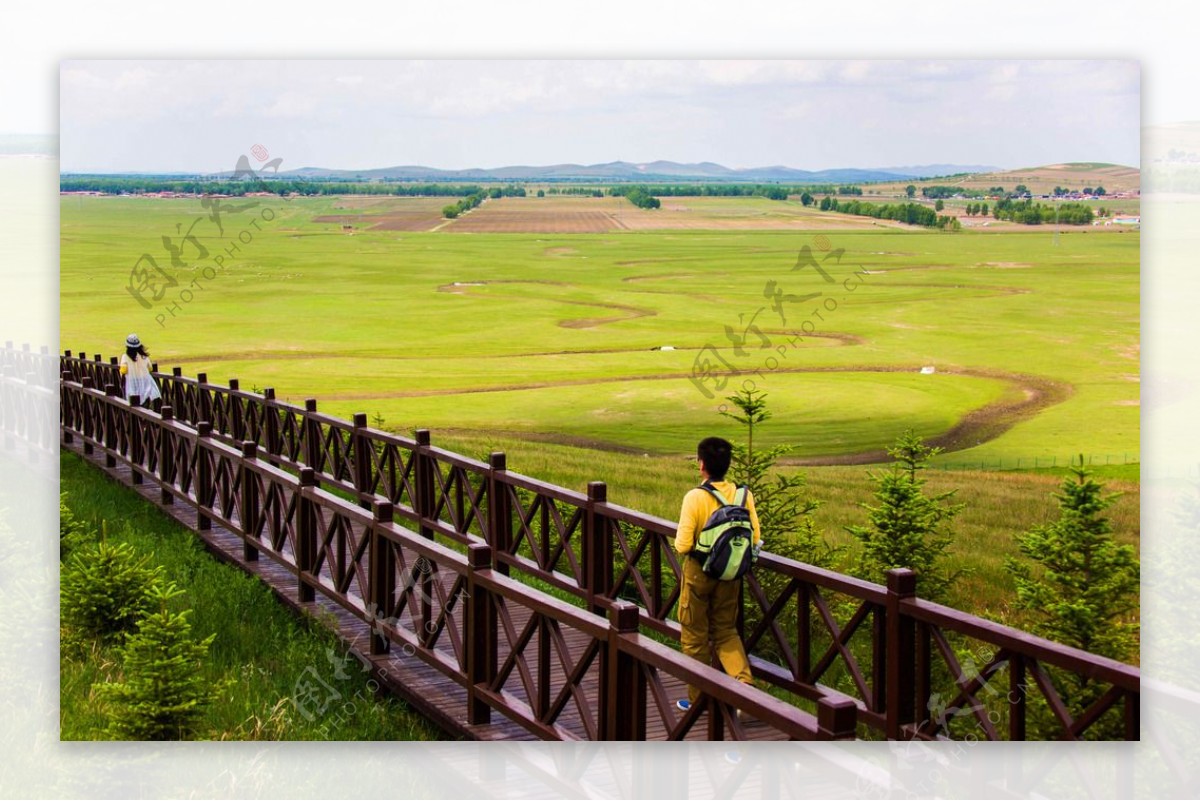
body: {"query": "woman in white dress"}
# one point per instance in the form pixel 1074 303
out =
pixel 135 366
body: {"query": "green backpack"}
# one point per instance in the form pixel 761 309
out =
pixel 725 547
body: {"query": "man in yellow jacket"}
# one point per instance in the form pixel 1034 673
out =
pixel 708 607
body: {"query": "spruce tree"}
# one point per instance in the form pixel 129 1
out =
pixel 106 591
pixel 784 510
pixel 72 532
pixel 907 527
pixel 784 514
pixel 164 691
pixel 1082 588
pixel 1082 585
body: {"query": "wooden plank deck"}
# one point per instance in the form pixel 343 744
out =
pixel 439 698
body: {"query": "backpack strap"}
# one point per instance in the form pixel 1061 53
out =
pixel 708 487
pixel 739 497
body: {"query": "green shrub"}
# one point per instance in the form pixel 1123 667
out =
pixel 106 591
pixel 164 692
pixel 908 528
pixel 1082 586
pixel 72 532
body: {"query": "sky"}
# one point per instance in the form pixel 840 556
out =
pixel 199 116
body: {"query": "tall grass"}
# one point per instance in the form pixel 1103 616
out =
pixel 999 505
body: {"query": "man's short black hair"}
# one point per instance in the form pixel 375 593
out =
pixel 716 454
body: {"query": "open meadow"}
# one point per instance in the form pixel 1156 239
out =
pixel 594 340
pixel 603 339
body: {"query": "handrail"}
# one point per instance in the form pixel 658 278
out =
pixel 815 632
pixel 391 578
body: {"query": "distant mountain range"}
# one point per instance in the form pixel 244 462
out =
pixel 654 171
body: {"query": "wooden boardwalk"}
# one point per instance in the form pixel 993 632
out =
pixel 440 699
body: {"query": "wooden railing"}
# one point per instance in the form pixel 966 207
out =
pixel 28 383
pixel 910 668
pixel 450 607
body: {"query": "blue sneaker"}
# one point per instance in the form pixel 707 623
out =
pixel 684 705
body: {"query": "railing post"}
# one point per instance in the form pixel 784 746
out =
pixel 622 683
pixel 68 418
pixel 233 408
pixel 110 426
pixel 271 423
pixel 837 718
pixel 312 436
pixel 480 634
pixel 1132 708
pixel 8 421
pixel 166 456
pixel 1016 697
pixel 382 576
pixel 499 533
pixel 203 400
pixel 716 715
pixel 597 548
pixel 877 698
pixel 87 421
pixel 203 475
pixel 804 633
pixel 173 390
pixel 900 653
pixel 306 535
pixel 424 503
pixel 499 537
pixel 250 512
pixel 362 460
pixel 134 434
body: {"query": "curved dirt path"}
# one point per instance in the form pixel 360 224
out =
pixel 976 427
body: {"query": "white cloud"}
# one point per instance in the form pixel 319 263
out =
pixel 455 113
pixel 291 105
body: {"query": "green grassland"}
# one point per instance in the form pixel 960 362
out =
pixel 545 350
pixel 563 338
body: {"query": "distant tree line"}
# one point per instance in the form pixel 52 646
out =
pixel 512 190
pixel 910 213
pixel 936 192
pixel 639 196
pixel 1098 191
pixel 770 191
pixel 198 186
pixel 1029 213
pixel 583 191
pixel 466 204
